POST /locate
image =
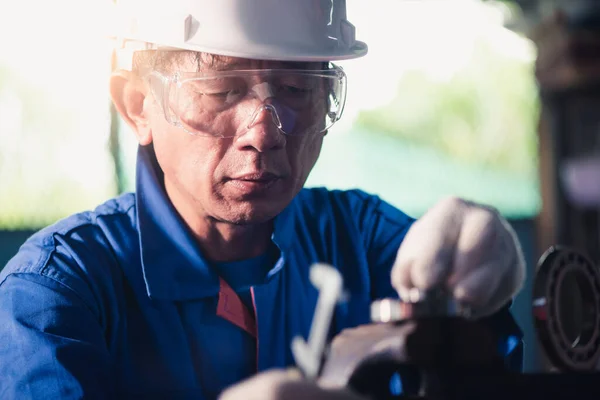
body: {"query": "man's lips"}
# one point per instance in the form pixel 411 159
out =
pixel 256 177
pixel 253 183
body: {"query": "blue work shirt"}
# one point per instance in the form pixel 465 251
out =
pixel 120 302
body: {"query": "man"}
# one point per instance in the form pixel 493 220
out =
pixel 200 279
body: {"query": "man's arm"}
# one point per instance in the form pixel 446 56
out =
pixel 284 385
pixel 51 343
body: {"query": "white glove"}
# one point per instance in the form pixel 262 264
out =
pixel 283 385
pixel 468 249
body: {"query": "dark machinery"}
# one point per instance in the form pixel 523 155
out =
pixel 429 349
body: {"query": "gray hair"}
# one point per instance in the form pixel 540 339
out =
pixel 164 60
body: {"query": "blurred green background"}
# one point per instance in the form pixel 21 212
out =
pixel 450 109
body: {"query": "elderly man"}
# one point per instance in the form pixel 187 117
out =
pixel 200 279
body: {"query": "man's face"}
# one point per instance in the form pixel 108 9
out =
pixel 247 178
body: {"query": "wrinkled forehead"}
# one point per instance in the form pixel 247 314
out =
pixel 190 61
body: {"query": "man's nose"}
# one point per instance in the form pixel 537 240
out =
pixel 263 130
pixel 259 113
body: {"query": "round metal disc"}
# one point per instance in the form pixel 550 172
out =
pixel 566 309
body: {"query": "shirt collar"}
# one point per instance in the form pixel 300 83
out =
pixel 172 263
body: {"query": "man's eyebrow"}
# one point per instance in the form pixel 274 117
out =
pixel 225 65
pixel 218 63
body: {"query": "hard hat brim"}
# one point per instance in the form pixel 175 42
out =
pixel 272 53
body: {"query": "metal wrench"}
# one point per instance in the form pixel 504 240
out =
pixel 309 355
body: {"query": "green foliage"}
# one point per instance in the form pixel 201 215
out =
pixel 485 115
pixel 37 149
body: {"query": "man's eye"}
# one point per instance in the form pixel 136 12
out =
pixel 293 90
pixel 224 94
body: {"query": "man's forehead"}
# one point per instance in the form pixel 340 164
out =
pixel 207 62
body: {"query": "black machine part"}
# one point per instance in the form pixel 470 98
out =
pixel 566 309
pixel 423 354
pixel 436 352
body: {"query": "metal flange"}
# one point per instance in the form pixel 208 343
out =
pixel 566 309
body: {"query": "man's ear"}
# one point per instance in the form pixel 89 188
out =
pixel 128 95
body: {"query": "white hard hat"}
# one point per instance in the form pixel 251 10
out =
pixel 285 30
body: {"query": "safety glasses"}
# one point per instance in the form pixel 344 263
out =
pixel 298 102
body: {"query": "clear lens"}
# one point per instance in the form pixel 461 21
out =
pixel 299 101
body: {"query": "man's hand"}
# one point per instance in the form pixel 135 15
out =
pixel 283 385
pixel 465 248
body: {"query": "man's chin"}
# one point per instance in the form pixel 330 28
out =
pixel 254 212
